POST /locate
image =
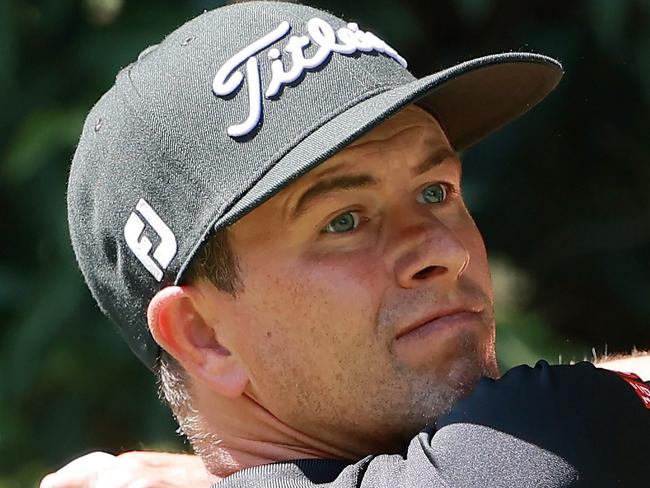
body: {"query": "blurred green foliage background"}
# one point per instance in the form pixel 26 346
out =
pixel 562 197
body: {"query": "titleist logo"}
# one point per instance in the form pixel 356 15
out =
pixel 346 40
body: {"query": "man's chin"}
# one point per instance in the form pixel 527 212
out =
pixel 459 381
pixel 431 398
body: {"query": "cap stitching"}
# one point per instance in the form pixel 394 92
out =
pixel 154 135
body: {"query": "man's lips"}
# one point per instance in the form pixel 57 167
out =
pixel 440 319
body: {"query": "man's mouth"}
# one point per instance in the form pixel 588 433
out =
pixel 438 321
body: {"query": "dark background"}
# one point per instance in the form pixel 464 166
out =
pixel 562 197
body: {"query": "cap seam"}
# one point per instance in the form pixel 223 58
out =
pixel 154 135
pixel 156 140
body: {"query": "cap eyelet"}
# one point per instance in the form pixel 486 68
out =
pixel 146 52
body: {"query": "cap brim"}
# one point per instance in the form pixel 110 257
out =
pixel 469 100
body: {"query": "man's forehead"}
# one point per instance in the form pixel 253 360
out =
pixel 399 132
pixel 410 116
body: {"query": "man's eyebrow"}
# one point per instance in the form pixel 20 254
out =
pixel 438 156
pixel 344 182
pixel 350 182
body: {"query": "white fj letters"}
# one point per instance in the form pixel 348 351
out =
pixel 346 40
pixel 141 245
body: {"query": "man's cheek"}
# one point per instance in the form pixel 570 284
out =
pixel 362 270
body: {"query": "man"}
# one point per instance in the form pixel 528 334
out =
pixel 270 197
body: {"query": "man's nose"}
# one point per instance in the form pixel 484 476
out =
pixel 426 249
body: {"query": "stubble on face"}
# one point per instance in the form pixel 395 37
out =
pixel 394 398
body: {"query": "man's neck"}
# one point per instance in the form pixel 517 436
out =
pixel 244 434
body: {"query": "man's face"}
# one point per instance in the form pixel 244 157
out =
pixel 366 307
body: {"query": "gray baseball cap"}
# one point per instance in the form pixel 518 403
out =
pixel 230 108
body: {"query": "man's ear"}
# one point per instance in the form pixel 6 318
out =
pixel 177 325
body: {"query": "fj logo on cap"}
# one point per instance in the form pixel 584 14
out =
pixel 141 245
pixel 346 40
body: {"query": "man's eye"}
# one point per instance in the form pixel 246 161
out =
pixel 434 193
pixel 344 222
